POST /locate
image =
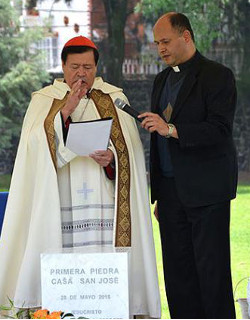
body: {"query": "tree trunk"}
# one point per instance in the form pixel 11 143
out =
pixel 116 14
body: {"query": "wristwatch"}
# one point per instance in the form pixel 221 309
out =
pixel 171 128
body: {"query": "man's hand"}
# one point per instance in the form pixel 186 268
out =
pixel 78 90
pixel 103 157
pixel 153 122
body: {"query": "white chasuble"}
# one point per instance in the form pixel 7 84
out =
pixel 86 194
pixel 67 201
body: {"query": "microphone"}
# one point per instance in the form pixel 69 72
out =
pixel 125 107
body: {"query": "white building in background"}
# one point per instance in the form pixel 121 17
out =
pixel 66 21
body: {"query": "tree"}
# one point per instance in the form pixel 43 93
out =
pixel 204 16
pixel 116 14
pixel 21 73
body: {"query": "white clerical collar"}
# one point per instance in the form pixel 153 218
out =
pixel 176 69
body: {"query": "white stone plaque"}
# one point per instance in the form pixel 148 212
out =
pixel 90 285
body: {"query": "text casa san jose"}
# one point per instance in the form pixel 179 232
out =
pixel 91 276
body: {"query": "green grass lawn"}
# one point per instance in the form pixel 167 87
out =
pixel 240 244
pixel 240 248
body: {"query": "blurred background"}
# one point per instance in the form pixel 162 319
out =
pixel 33 33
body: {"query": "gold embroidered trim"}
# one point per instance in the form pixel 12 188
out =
pixel 57 105
pixel 106 108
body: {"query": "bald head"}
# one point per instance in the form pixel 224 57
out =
pixel 178 21
pixel 163 18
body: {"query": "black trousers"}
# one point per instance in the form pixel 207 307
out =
pixel 196 257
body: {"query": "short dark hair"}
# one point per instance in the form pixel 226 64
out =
pixel 181 23
pixel 78 49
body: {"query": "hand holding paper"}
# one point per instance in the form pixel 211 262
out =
pixel 84 138
pixel 103 157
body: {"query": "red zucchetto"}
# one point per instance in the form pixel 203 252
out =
pixel 80 41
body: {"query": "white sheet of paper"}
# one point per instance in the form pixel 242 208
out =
pixel 88 136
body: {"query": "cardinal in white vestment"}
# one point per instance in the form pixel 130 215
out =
pixel 59 199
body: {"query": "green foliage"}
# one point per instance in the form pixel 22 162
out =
pixel 21 73
pixel 11 311
pixel 204 16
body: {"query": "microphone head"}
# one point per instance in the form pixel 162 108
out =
pixel 119 103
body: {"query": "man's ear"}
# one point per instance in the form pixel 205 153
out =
pixel 63 64
pixel 187 36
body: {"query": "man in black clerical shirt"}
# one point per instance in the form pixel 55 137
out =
pixel 193 170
